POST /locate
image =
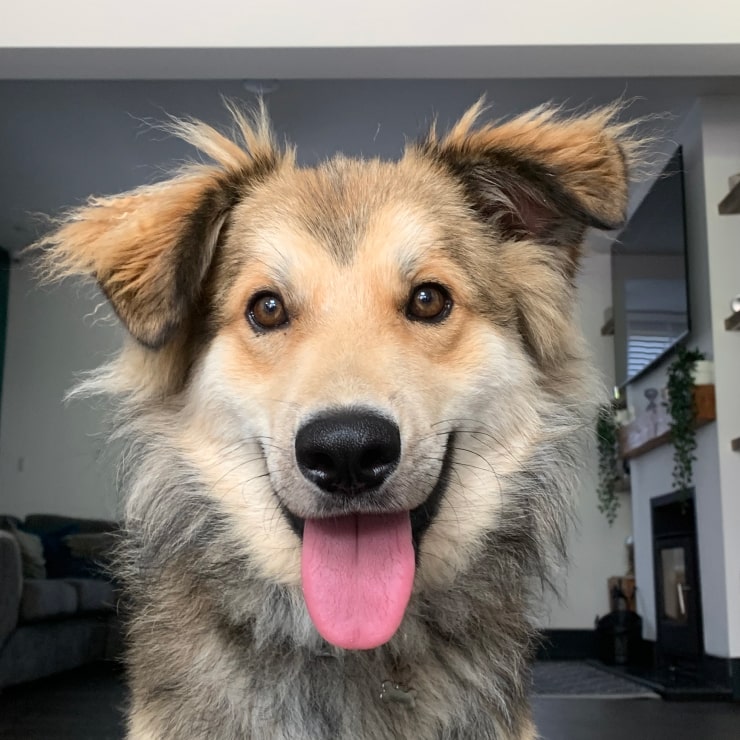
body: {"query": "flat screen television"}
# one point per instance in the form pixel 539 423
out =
pixel 650 291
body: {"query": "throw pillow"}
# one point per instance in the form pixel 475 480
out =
pixel 32 553
pixel 95 546
pixel 59 560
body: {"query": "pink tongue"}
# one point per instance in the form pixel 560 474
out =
pixel 357 574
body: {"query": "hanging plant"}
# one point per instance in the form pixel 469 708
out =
pixel 681 409
pixel 606 434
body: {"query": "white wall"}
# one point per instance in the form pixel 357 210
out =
pixel 597 550
pixel 721 135
pixel 50 453
pixel 711 145
pixel 145 39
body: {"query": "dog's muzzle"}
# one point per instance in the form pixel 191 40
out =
pixel 358 564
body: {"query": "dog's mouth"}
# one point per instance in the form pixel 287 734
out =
pixel 357 570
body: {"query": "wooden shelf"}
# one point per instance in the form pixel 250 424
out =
pixel 735 444
pixel 651 430
pixel 731 202
pixel 732 323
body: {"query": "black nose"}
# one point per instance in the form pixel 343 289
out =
pixel 348 452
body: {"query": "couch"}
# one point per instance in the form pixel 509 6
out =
pixel 57 606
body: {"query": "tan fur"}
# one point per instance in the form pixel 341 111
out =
pixel 425 373
pixel 129 234
pixel 589 154
pixel 130 242
pixel 139 729
pixel 126 241
pixel 218 403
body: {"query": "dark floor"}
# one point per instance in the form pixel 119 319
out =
pixel 85 705
pixel 568 678
pixel 635 719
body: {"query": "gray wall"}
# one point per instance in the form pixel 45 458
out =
pixel 51 454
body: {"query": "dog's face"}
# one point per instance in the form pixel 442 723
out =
pixel 365 339
pixel 359 355
pixel 369 306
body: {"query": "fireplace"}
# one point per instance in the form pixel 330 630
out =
pixel 677 584
pixel 676 664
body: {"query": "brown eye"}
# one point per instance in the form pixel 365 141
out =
pixel 266 311
pixel 429 302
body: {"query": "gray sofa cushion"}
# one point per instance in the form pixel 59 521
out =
pixel 47 598
pixel 94 545
pixel 40 649
pixel 11 584
pixel 93 594
pixel 32 549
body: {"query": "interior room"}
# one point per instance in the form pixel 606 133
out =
pixel 639 632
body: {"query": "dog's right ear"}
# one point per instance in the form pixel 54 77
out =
pixel 150 249
pixel 541 177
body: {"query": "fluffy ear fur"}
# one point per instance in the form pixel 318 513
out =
pixel 150 249
pixel 540 176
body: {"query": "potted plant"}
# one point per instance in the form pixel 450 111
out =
pixel 680 405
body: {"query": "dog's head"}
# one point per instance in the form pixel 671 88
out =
pixel 358 358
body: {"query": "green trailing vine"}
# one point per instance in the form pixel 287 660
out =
pixel 680 407
pixel 606 434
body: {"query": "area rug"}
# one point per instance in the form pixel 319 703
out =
pixel 576 679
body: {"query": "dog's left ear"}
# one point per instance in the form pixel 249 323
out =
pixel 150 249
pixel 539 176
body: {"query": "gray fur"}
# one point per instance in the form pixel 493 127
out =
pixel 216 652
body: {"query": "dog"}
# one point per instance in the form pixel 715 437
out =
pixel 355 404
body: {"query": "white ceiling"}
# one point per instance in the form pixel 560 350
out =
pixel 395 39
pixel 62 141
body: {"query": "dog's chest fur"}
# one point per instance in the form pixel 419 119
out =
pixel 219 652
pixel 251 680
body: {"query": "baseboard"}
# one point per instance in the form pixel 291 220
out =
pixel 707 678
pixel 735 678
pixel 566 644
pixel 723 671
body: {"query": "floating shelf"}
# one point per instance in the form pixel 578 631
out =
pixel 735 444
pixel 732 323
pixel 731 202
pixel 651 430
